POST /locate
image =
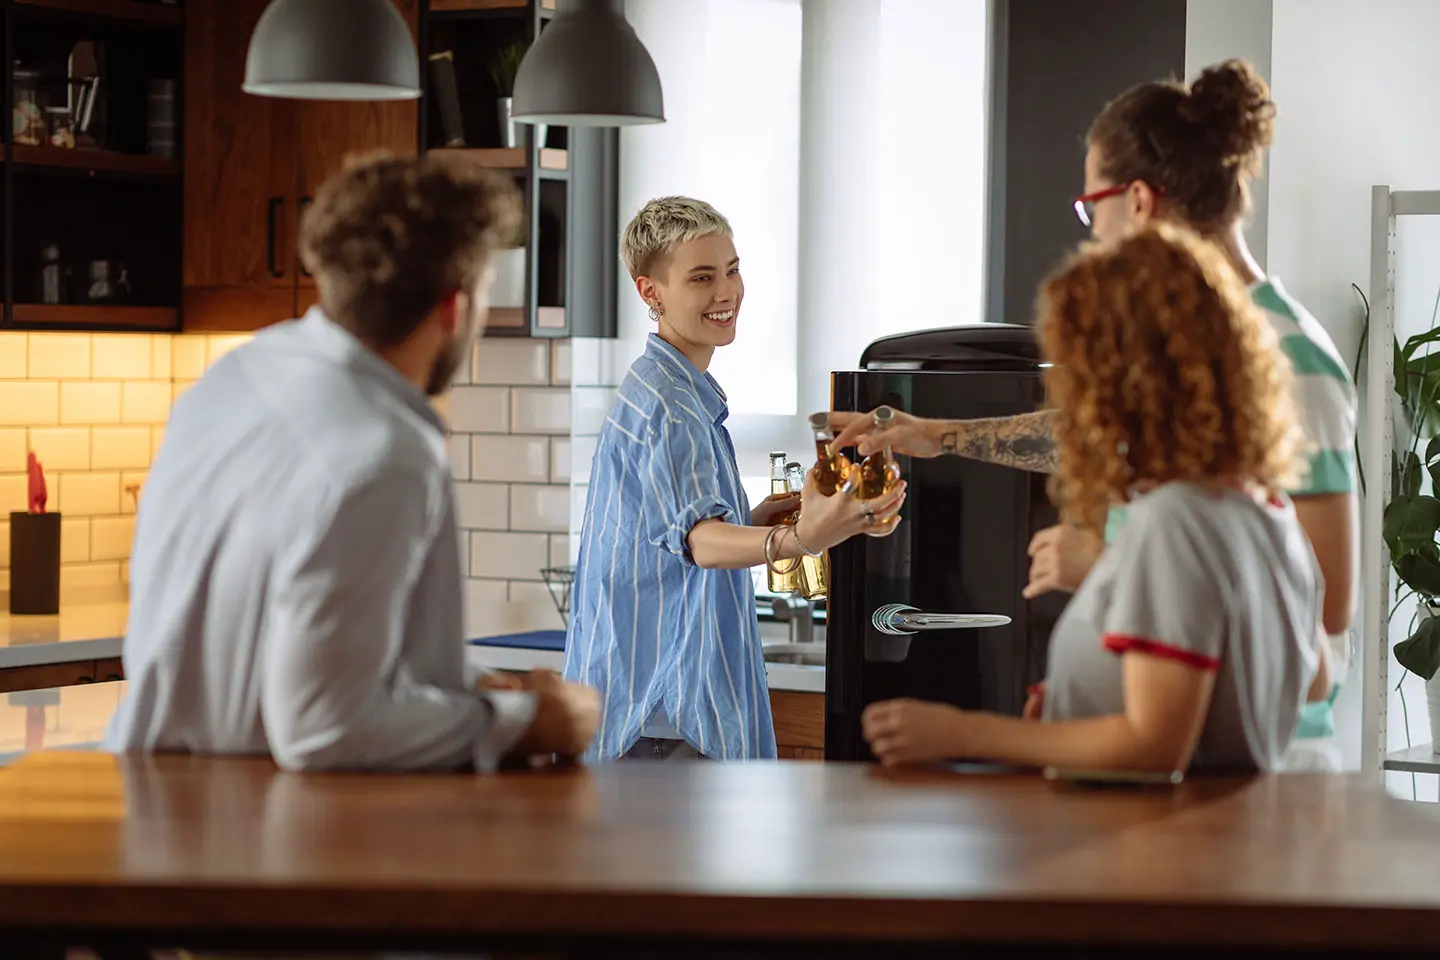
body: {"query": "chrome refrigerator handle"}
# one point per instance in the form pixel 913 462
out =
pixel 900 620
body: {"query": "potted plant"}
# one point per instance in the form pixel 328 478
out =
pixel 508 261
pixel 503 68
pixel 1412 518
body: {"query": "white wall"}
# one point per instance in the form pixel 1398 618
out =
pixel 1217 30
pixel 849 154
pixel 1355 84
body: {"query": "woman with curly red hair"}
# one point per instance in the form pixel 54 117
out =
pixel 1192 641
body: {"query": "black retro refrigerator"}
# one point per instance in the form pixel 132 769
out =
pixel 892 626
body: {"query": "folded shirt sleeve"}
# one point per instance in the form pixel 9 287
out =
pixel 682 481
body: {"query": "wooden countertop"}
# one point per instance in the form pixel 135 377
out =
pixel 723 852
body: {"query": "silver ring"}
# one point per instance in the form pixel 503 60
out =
pixel 868 514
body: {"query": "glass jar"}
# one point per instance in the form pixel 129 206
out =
pixel 61 131
pixel 28 118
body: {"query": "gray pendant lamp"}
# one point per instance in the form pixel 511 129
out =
pixel 588 69
pixel 332 50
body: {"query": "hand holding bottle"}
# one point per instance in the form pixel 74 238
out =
pixel 907 434
pixel 827 521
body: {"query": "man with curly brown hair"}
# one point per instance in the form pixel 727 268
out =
pixel 295 581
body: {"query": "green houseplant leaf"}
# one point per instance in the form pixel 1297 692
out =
pixel 1420 652
pixel 1410 524
pixel 1420 571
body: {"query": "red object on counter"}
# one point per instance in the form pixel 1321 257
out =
pixel 37 485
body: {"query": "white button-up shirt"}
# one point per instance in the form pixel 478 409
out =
pixel 295 579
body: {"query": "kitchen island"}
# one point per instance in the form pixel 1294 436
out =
pixel 760 859
pixel 83 644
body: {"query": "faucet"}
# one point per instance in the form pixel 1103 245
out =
pixel 800 614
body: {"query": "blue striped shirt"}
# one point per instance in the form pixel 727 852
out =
pixel 664 641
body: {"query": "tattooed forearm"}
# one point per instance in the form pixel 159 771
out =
pixel 1025 442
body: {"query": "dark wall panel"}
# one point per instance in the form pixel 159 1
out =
pixel 1055 64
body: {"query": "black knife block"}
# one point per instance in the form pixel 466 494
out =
pixel 35 564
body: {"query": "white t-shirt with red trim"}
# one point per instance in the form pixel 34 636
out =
pixel 1211 578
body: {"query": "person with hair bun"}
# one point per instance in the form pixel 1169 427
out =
pixel 1192 640
pixel 1185 154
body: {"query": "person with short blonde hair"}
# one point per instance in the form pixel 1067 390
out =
pixel 1193 640
pixel 662 615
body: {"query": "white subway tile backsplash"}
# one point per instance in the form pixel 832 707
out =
pixel 61 448
pixel 27 404
pixel 582 455
pixel 13 348
pixel 485 603
pixel 560 363
pixel 482 506
pixel 87 403
pixel 74 540
pixel 515 459
pixel 509 556
pixel 73 575
pixel 219 344
pixel 59 356
pixel 118 448
pixel 12 450
pixel 4 543
pixel 110 537
pixel 536 507
pixel 187 357
pixel 589 406
pixel 156 435
pixel 459 455
pixel 120 356
pixel 584 362
pixel 560 550
pixel 532 607
pixel 560 460
pixel 511 362
pixel 88 494
pixel 147 402
pixel 131 484
pixel 480 410
pixel 162 357
pixel 14 488
pixel 540 410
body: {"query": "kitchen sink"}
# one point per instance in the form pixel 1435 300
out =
pixel 808 654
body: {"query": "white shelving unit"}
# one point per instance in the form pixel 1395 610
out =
pixel 1387 206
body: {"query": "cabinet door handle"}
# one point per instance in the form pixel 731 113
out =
pixel 304 205
pixel 272 220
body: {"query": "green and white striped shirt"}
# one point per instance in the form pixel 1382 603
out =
pixel 1326 401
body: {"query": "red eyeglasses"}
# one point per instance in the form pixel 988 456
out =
pixel 1085 205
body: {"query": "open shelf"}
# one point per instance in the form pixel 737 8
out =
pixel 463 6
pixel 99 161
pixel 505 318
pixel 92 317
pixel 162 14
pixel 1419 759
pixel 507 158
pixel 510 321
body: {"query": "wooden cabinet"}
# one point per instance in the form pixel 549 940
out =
pixel 799 724
pixel 251 165
pixel 47 675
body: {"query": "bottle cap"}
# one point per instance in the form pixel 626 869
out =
pixel 820 421
pixel 774 454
